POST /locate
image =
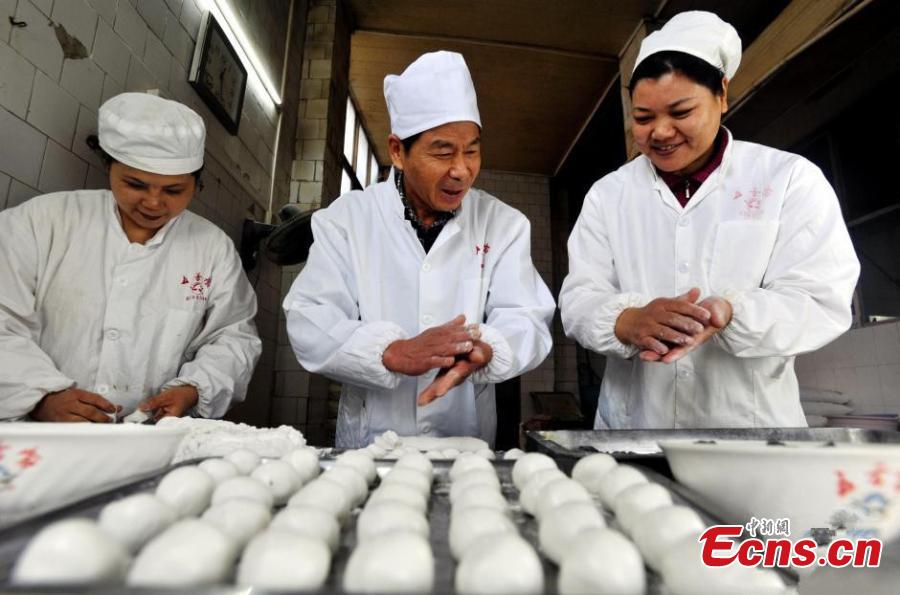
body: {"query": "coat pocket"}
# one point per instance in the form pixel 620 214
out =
pixel 741 254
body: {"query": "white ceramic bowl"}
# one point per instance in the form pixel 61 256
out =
pixel 850 488
pixel 47 465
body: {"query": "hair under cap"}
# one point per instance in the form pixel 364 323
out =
pixel 700 34
pixel 435 89
pixel 152 134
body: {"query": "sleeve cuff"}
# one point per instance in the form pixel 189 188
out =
pixel 501 364
pixel 604 329
pixel 729 334
pixel 366 350
pixel 203 408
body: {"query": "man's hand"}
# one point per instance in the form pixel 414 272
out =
pixel 465 366
pixel 436 347
pixel 74 404
pixel 174 402
pixel 720 315
pixel 663 322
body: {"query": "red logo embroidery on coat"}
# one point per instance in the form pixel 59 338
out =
pixel 197 284
pixel 482 249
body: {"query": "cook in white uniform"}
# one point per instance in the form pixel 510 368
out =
pixel 111 299
pixel 704 266
pixel 402 274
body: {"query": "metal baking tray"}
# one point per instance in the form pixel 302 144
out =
pixel 13 540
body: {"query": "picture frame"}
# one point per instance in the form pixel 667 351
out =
pixel 218 75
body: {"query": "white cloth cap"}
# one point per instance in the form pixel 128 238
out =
pixel 700 34
pixel 434 90
pixel 152 134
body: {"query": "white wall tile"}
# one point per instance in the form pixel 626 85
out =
pixel 155 13
pixel 862 347
pixel 37 42
pixel 45 6
pixel 131 27
pixel 21 150
pixel 887 342
pixel 139 78
pixel 868 398
pixel 111 88
pixel 178 85
pixel 84 80
pixel 79 19
pixel 61 170
pixel 87 124
pixel 96 178
pixel 158 60
pixel 845 381
pixel 179 43
pixel 19 193
pixel 111 53
pixel 106 9
pixel 7 9
pixel 16 80
pixel 890 387
pixel 174 6
pixel 4 189
pixel 191 15
pixel 52 110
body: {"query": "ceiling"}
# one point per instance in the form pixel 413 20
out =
pixel 540 68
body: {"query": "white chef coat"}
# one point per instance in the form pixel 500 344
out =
pixel 368 282
pixel 82 306
pixel 765 232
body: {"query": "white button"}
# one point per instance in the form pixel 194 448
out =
pixel 424 427
pixel 684 373
pixel 103 389
pixel 122 281
pixel 427 319
pixel 426 267
pixel 683 222
pixel 112 334
pixel 684 267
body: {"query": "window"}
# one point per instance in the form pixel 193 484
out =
pixel 359 163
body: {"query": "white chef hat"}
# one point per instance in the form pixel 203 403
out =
pixel 700 34
pixel 434 90
pixel 152 134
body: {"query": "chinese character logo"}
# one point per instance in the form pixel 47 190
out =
pixel 197 285
pixel 482 250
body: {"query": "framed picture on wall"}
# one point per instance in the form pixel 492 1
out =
pixel 218 75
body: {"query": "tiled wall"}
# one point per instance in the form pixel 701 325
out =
pixel 60 59
pixel 863 363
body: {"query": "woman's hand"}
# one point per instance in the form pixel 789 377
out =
pixel 175 402
pixel 664 323
pixel 74 404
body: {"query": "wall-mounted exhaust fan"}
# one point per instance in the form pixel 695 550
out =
pixel 284 244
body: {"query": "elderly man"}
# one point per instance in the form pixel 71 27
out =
pixel 419 293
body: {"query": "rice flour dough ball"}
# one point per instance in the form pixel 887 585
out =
pixel 468 462
pixel 617 480
pixel 402 493
pixel 239 519
pixel 418 461
pixel 360 460
pixel 326 495
pixel 528 497
pixel 450 453
pixel 660 529
pixel 389 517
pixel 684 573
pixel 557 492
pixel 136 519
pixel 284 561
pixel 186 489
pixel 219 469
pixel 633 503
pixel 376 452
pixel 311 522
pixel 486 453
pixel 243 488
pixel 434 455
pixel 529 464
pixel 483 496
pixel 500 564
pixel 245 460
pixel 352 481
pixel 190 553
pixel 602 562
pixel 470 525
pixel 305 462
pixel 589 470
pixel 407 475
pixel 513 453
pixel 473 478
pixel 390 563
pixel 281 479
pixel 561 524
pixel 72 551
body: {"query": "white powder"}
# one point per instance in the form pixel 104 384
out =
pixel 217 438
